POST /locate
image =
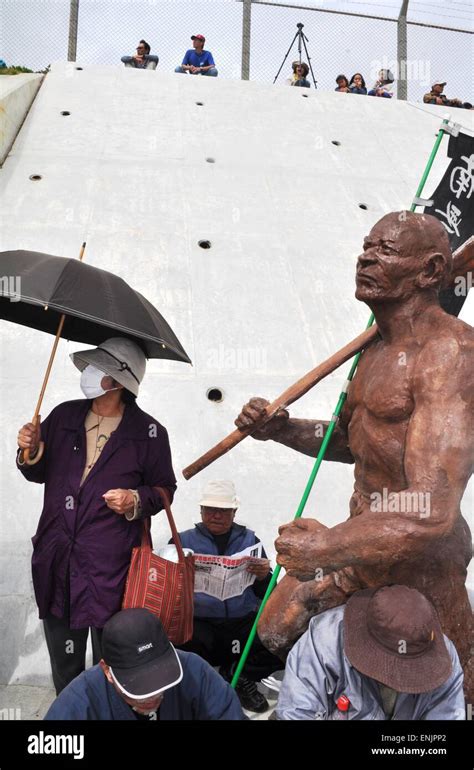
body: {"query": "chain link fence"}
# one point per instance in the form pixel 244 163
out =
pixel 248 38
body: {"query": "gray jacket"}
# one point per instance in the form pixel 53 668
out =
pixel 317 673
pixel 150 62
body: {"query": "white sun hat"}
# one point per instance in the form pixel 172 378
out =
pixel 118 357
pixel 220 494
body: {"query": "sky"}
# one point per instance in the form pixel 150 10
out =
pixel 34 33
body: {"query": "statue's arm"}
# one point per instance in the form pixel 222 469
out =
pixel 304 436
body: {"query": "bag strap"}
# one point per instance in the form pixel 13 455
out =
pixel 146 534
pixel 164 494
pixel 146 529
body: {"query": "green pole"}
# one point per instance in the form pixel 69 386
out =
pixel 329 432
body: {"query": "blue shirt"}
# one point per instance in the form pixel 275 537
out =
pixel 202 694
pixel 205 606
pixel 203 59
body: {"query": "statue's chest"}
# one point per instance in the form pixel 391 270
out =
pixel 382 385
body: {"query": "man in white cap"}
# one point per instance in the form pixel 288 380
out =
pixel 102 460
pixel 221 628
pixel 436 96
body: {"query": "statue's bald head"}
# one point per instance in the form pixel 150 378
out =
pixel 418 234
pixel 404 253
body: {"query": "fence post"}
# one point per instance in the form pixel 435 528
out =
pixel 402 51
pixel 72 40
pixel 246 19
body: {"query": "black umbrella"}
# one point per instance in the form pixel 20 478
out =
pixel 78 302
pixel 94 301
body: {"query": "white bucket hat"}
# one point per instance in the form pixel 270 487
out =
pixel 220 494
pixel 118 357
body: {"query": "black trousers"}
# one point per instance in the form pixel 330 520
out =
pixel 67 646
pixel 67 649
pixel 221 643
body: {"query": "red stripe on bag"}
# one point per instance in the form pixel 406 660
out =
pixel 165 588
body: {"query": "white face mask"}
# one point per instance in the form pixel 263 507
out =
pixel 90 382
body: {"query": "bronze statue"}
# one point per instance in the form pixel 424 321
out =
pixel 408 427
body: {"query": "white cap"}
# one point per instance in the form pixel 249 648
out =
pixel 220 494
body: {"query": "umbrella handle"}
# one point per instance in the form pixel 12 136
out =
pixel 36 458
pixel 25 453
pixel 39 454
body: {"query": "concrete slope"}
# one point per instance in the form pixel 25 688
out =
pixel 144 166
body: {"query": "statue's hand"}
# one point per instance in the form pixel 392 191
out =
pixel 297 549
pixel 252 413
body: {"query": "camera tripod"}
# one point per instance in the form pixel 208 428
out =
pixel 302 40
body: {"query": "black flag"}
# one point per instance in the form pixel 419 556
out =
pixel 453 205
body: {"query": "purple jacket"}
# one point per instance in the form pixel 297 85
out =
pixel 77 531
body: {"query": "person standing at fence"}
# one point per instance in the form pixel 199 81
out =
pixel 103 457
pixel 196 60
pixel 142 60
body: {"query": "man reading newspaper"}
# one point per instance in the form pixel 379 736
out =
pixel 229 592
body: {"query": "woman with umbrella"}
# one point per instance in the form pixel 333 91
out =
pixel 102 459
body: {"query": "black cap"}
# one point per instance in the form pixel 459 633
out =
pixel 142 660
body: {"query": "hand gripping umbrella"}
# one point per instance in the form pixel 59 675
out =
pixel 78 302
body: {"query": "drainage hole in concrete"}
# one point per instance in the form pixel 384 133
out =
pixel 305 95
pixel 204 244
pixel 215 394
pixel 334 141
pixel 79 68
pixel 65 112
pixel 363 206
pixel 35 177
pixel 200 104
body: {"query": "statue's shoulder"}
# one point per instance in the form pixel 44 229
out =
pixel 458 331
pixel 446 355
pixel 449 333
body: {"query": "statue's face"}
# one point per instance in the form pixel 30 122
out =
pixel 391 261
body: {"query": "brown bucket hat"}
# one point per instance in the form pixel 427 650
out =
pixel 392 634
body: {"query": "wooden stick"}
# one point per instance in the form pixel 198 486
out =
pixel 36 416
pixel 463 260
pixel 293 393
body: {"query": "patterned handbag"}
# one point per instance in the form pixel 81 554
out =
pixel 164 587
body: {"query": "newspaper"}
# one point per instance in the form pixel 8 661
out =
pixel 225 576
